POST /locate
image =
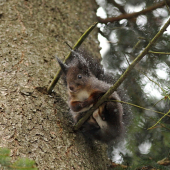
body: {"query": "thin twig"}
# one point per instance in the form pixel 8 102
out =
pixel 164 92
pixel 76 46
pixel 133 15
pixel 164 114
pixel 159 120
pixel 167 6
pixel 162 53
pixel 122 78
pixel 153 81
pixel 136 45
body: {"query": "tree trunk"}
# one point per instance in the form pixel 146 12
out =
pixel 34 124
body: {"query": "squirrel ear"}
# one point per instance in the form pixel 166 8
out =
pixel 83 65
pixel 63 66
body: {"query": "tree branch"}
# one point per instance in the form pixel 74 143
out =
pixel 140 107
pixel 135 14
pixel 159 120
pixel 163 53
pixel 122 78
pixel 76 46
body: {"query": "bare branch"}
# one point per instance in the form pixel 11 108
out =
pixel 133 15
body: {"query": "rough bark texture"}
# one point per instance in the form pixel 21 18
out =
pixel 34 124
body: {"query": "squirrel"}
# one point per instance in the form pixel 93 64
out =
pixel 86 83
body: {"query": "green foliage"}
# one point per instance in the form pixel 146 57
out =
pixel 20 164
pixel 4 156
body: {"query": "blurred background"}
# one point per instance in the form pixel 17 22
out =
pixel 148 85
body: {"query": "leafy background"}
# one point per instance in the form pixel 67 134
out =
pixel 148 84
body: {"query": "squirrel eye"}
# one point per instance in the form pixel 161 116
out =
pixel 79 76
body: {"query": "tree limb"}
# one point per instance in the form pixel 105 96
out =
pixel 133 15
pixel 122 78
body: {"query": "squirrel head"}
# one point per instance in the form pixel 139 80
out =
pixel 77 74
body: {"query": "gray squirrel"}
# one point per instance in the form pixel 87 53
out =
pixel 86 82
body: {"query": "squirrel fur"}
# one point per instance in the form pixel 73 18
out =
pixel 86 83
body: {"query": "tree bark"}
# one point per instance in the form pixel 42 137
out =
pixel 34 124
